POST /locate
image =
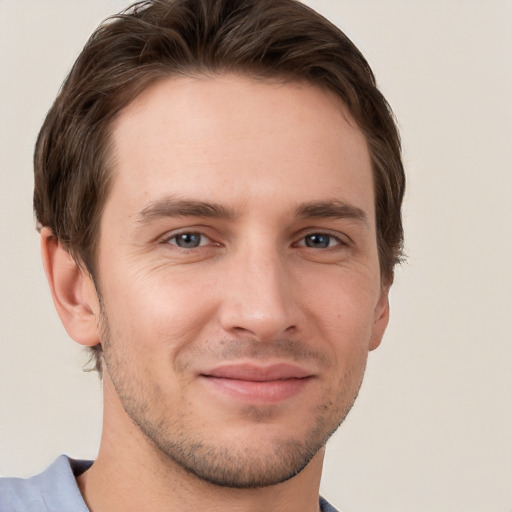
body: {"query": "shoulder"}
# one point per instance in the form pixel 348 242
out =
pixel 53 490
pixel 325 506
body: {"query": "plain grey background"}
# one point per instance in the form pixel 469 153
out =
pixel 432 429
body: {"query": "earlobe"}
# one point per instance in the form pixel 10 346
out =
pixel 381 319
pixel 72 290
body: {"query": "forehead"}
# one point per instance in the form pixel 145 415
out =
pixel 239 139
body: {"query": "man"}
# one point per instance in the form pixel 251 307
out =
pixel 218 188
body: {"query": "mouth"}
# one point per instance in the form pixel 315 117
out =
pixel 258 384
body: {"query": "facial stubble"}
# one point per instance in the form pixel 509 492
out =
pixel 245 465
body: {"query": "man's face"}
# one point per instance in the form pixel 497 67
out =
pixel 239 274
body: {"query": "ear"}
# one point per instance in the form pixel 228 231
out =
pixel 381 318
pixel 73 291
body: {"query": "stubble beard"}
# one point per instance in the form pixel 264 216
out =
pixel 246 466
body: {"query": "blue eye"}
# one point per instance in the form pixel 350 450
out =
pixel 188 240
pixel 320 241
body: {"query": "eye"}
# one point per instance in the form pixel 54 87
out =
pixel 320 241
pixel 188 240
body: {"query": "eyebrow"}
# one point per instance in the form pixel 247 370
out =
pixel 332 210
pixel 172 207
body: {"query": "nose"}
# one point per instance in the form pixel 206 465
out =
pixel 259 297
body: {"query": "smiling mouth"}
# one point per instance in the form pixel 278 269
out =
pixel 250 383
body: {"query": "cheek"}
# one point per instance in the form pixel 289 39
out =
pixel 344 302
pixel 150 311
pixel 343 316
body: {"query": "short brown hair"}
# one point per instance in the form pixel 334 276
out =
pixel 161 38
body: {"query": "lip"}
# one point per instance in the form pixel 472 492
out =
pixel 258 384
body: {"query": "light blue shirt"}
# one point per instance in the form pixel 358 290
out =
pixel 56 490
pixel 53 490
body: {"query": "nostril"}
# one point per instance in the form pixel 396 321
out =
pixel 263 331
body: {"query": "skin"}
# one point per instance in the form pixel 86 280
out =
pixel 239 233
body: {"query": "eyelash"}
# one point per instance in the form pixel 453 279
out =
pixel 176 236
pixel 339 242
pixel 203 240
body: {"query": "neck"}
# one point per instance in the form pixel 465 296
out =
pixel 132 474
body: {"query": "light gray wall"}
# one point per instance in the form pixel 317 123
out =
pixel 432 430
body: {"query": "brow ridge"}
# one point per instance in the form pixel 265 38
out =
pixel 334 209
pixel 173 207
